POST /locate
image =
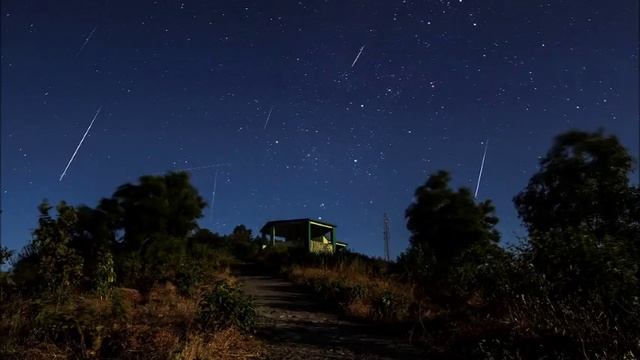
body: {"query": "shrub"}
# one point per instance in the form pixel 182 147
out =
pixel 225 305
pixel 80 325
pixel 56 323
pixel 50 263
pixel 390 306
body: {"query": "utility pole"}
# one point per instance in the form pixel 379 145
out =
pixel 386 237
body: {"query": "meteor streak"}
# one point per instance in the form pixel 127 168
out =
pixel 80 144
pixel 86 41
pixel 213 195
pixel 203 167
pixel 481 168
pixel 357 57
pixel 268 117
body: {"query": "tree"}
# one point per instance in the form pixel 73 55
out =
pixel 582 215
pixel 149 223
pixel 241 233
pixel 50 261
pixel 446 225
pixel 5 255
pixel 94 243
pixel 158 207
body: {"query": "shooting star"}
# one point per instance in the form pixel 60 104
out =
pixel 80 144
pixel 484 155
pixel 194 168
pixel 213 196
pixel 268 117
pixel 357 57
pixel 86 41
pixel 204 167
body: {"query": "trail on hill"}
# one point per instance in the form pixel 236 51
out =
pixel 296 325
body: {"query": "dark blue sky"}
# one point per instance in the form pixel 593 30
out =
pixel 189 83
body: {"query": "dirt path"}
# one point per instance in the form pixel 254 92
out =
pixel 295 325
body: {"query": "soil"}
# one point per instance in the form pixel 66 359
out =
pixel 295 324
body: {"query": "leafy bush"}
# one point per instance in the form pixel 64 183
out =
pixel 79 325
pixel 5 255
pixel 225 305
pixel 56 324
pixel 50 264
pixel 582 214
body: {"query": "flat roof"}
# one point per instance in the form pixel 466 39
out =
pixel 268 224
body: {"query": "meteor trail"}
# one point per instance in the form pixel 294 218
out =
pixel 194 168
pixel 481 168
pixel 203 167
pixel 357 57
pixel 213 195
pixel 80 144
pixel 268 117
pixel 86 41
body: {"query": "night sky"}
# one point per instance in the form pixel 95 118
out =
pixel 269 89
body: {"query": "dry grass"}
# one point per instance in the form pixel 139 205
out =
pixel 165 307
pixel 366 289
pixel 161 325
pixel 225 344
pixel 359 308
pixel 44 352
pixel 351 276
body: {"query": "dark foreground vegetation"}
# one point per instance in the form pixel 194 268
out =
pixel 569 290
pixel 136 278
pixel 133 278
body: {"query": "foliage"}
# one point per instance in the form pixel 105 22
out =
pixel 160 206
pixel 157 235
pixel 94 241
pixel 582 183
pixel 583 219
pixel 145 236
pixel 349 284
pixel 89 327
pixel 225 305
pixel 59 266
pixel 204 237
pixel 105 274
pixel 390 305
pixel 240 233
pixel 486 271
pixel 5 255
pixel 446 228
pixel 571 290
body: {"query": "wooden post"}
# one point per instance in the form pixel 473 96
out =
pixel 333 239
pixel 273 234
pixel 309 235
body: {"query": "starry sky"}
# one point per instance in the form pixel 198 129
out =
pixel 272 91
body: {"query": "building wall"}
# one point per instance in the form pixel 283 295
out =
pixel 319 246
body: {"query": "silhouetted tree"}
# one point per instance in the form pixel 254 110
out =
pixel 157 207
pixel 241 233
pixel 5 255
pixel 446 226
pixel 207 238
pixel 583 217
pixel 149 224
pixel 94 243
pixel 50 263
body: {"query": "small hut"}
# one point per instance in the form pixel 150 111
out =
pixel 314 235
